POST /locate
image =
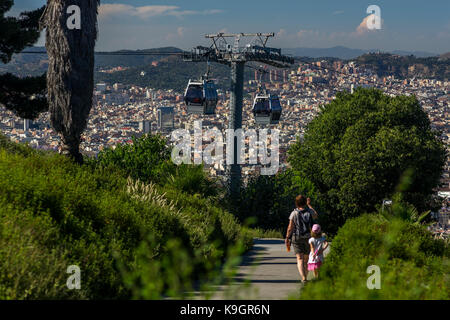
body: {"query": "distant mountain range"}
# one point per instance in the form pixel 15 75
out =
pixel 341 52
pixel 163 71
pixel 35 64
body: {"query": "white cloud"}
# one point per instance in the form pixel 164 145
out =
pixel 212 11
pixel 306 33
pixel 281 33
pixel 363 28
pixel 178 34
pixel 181 31
pixel 145 12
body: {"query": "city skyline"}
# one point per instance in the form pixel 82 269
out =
pixel 141 24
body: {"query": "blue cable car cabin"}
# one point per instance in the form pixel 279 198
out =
pixel 261 108
pixel 267 109
pixel 201 97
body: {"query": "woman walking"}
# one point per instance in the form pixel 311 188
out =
pixel 299 232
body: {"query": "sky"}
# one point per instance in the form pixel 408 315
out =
pixel 409 25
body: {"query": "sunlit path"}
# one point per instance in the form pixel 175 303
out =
pixel 267 272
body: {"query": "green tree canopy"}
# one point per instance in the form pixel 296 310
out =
pixel 271 199
pixel 24 96
pixel 359 146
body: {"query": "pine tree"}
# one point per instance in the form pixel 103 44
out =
pixel 24 96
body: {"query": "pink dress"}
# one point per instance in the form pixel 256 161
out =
pixel 315 260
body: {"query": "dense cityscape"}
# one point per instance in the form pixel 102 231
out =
pixel 123 111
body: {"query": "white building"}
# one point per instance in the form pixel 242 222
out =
pixel 101 87
pixel 144 126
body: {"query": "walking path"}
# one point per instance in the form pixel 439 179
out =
pixel 267 272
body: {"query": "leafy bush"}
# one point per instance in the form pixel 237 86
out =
pixel 413 265
pixel 146 159
pixel 149 160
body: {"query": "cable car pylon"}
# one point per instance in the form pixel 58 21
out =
pixel 231 53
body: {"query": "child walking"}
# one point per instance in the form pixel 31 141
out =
pixel 317 244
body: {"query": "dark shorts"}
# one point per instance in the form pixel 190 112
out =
pixel 301 245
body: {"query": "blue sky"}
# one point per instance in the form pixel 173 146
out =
pixel 137 24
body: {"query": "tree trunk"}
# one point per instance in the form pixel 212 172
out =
pixel 70 77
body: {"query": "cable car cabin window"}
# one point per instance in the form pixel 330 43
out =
pixel 258 106
pixel 194 94
pixel 262 106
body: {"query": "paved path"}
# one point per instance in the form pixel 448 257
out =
pixel 267 272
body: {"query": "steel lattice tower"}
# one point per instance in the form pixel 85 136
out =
pixel 235 56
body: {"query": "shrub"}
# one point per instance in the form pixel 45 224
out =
pixel 413 265
pixel 146 159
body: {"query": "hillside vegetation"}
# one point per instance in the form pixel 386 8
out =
pixel 131 238
pixel 404 67
pixel 412 264
pixel 359 147
pixel 170 73
pixel 138 226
